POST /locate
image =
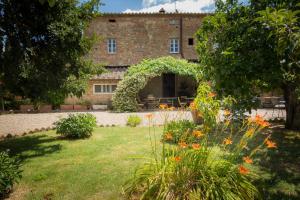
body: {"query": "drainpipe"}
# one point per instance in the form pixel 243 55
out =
pixel 181 36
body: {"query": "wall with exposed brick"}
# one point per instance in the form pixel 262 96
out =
pixel 140 36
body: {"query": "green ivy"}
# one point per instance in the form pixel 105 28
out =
pixel 138 75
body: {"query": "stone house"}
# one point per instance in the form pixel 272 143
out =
pixel 128 38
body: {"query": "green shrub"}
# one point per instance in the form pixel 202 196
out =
pixel 176 131
pixel 76 126
pixel 133 121
pixel 10 173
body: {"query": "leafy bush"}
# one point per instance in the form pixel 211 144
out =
pixel 76 126
pixel 220 164
pixel 176 131
pixel 133 121
pixel 10 173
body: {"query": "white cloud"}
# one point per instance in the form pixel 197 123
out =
pixel 181 5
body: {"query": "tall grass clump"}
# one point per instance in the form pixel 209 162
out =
pixel 218 164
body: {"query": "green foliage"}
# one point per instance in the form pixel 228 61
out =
pixel 214 161
pixel 250 48
pixel 137 76
pixel 42 48
pixel 76 125
pixel 176 131
pixel 10 173
pixel 133 121
pixel 197 175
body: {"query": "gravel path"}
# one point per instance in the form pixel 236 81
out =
pixel 17 124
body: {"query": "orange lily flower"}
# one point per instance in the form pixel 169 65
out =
pixel 196 146
pixel 163 106
pixel 271 144
pixel 243 170
pixel 212 94
pixel 183 145
pixel 248 160
pixel 198 133
pixel 177 158
pixel 172 108
pixel 227 112
pixel 227 141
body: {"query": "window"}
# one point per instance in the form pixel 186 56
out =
pixel 111 45
pixel 112 20
pixel 191 41
pixel 98 89
pixel 174 46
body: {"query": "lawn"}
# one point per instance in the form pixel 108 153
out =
pixel 97 168
pixel 94 168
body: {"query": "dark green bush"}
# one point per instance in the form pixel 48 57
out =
pixel 10 173
pixel 133 121
pixel 76 125
pixel 176 131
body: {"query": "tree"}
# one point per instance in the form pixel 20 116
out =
pixel 240 51
pixel 43 47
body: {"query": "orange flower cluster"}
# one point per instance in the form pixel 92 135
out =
pixel 270 144
pixel 259 120
pixel 227 141
pixel 168 136
pixel 243 170
pixel 183 145
pixel 198 133
pixel 172 108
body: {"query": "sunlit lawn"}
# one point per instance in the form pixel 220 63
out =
pixel 97 168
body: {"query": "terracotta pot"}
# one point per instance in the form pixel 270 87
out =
pixel 80 107
pixel 45 108
pixel 26 108
pixel 66 107
pixel 196 117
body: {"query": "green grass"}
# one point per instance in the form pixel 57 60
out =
pixel 94 168
pixel 98 167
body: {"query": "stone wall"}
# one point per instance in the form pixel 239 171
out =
pixel 140 36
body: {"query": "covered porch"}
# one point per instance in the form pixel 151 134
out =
pixel 170 89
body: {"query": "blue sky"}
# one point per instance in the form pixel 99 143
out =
pixel 120 5
pixel 155 5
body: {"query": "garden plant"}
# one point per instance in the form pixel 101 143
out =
pixel 133 121
pixel 219 162
pixel 76 125
pixel 10 173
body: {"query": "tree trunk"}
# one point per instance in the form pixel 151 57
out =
pixel 292 107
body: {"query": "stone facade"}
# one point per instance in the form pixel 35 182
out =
pixel 138 36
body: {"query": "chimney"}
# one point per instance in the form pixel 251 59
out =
pixel 162 10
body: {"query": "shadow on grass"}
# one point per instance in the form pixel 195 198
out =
pixel 30 146
pixel 281 167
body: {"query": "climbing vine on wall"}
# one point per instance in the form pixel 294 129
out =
pixel 137 76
